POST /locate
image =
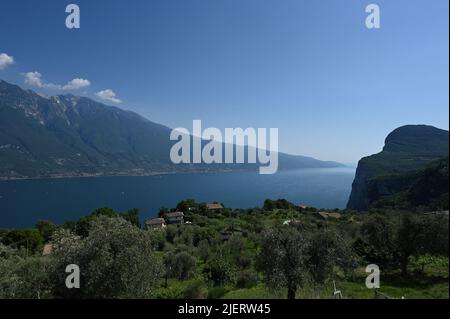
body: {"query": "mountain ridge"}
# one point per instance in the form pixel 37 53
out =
pixel 70 136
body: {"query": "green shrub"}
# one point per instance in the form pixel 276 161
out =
pixel 196 290
pixel 216 292
pixel 246 279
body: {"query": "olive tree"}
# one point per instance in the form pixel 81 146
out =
pixel 116 260
pixel 283 258
pixel 328 249
pixel 180 265
pixel 421 235
pixel 22 277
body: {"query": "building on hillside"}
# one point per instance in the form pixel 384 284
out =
pixel 174 217
pixel 214 206
pixel 301 207
pixel 155 223
pixel 47 250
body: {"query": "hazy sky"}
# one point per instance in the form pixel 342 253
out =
pixel 334 88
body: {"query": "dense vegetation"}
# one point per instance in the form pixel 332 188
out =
pixel 423 189
pixel 277 251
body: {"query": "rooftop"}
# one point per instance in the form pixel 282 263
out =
pixel 214 206
pixel 174 214
pixel 155 221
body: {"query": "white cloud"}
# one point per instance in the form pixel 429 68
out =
pixel 35 79
pixel 108 95
pixel 5 60
pixel 76 84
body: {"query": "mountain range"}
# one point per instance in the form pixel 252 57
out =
pixel 410 171
pixel 67 135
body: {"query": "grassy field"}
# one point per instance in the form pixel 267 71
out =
pixel 429 283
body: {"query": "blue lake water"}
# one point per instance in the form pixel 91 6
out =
pixel 24 202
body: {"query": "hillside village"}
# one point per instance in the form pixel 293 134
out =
pixel 178 217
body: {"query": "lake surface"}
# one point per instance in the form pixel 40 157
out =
pixel 24 202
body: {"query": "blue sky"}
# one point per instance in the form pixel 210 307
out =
pixel 334 88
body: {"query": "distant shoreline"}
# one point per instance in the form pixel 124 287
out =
pixel 5 179
pixel 159 173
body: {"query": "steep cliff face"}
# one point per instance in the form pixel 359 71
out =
pixel 407 149
pixel 358 197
